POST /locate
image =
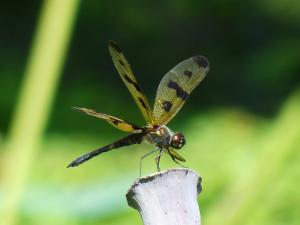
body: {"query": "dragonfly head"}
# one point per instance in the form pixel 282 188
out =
pixel 177 141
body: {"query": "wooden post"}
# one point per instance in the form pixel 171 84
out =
pixel 167 198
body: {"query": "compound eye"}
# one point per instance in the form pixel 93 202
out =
pixel 177 141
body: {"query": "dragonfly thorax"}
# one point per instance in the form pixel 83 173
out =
pixel 163 136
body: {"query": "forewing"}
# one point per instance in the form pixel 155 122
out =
pixel 114 121
pixel 176 86
pixel 130 81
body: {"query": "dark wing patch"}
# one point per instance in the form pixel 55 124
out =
pixel 136 86
pixel 187 73
pixel 115 46
pixel 201 61
pixel 121 62
pixel 167 105
pixel 179 90
pixel 143 103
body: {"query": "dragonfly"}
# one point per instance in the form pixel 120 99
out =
pixel 173 91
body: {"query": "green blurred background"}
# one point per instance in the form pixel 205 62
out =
pixel 242 124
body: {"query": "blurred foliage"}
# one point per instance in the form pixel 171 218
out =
pixel 240 123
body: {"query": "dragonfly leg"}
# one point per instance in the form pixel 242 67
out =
pixel 157 159
pixel 177 161
pixel 144 156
